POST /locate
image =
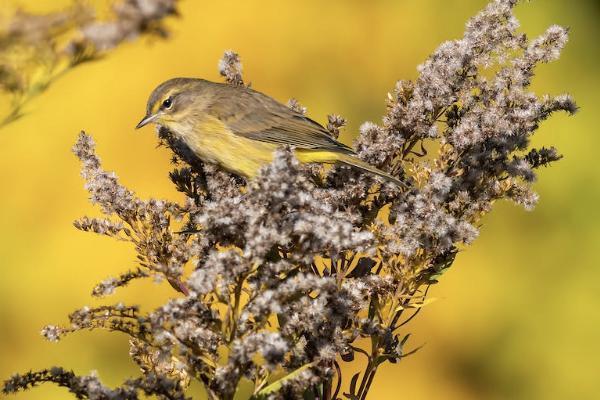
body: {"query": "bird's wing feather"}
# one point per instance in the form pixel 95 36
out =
pixel 256 116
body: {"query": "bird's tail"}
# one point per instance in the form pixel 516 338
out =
pixel 353 161
pixel 330 157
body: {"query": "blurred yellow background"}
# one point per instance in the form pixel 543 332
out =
pixel 517 315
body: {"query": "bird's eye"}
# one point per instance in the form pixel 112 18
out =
pixel 167 103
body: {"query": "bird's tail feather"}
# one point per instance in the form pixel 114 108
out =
pixel 330 157
pixel 353 161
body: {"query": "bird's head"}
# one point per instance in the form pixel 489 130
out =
pixel 173 102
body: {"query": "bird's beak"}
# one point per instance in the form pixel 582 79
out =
pixel 146 120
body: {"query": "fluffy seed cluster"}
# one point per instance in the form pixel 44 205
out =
pixel 277 279
pixel 230 67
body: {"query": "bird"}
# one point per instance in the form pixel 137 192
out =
pixel 239 128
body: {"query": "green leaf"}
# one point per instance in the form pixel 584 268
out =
pixel 276 386
pixel 422 304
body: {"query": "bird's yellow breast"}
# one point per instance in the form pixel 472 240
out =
pixel 212 141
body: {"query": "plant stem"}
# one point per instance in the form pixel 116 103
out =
pixel 368 386
pixel 365 378
pixel 338 386
pixel 327 389
pixel 236 307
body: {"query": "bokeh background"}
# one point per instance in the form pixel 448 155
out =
pixel 517 315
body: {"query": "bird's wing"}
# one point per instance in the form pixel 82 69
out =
pixel 256 116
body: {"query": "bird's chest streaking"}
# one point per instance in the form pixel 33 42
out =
pixel 212 141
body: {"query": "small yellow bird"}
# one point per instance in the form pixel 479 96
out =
pixel 239 128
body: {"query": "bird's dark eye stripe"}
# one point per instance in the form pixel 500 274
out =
pixel 167 103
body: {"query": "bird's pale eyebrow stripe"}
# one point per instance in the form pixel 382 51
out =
pixel 159 101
